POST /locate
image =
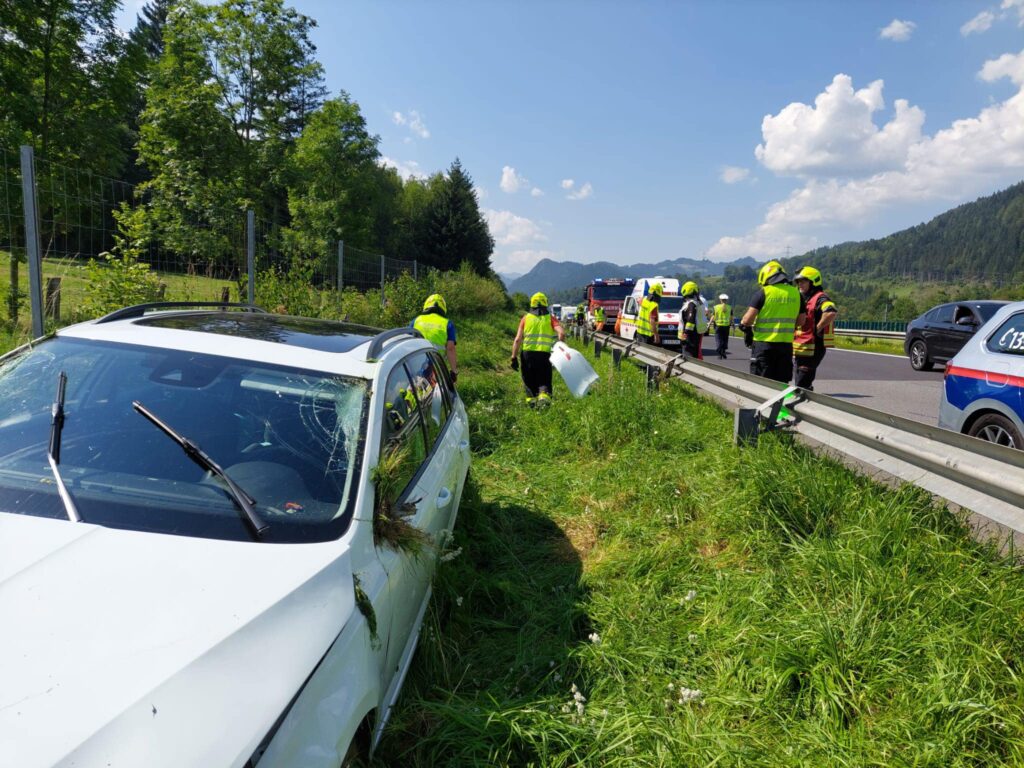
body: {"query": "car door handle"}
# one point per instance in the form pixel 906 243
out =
pixel 463 445
pixel 444 498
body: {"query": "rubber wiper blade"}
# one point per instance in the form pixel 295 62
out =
pixel 53 452
pixel 244 502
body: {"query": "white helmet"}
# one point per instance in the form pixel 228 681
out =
pixel 723 296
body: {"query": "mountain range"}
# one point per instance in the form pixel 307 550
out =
pixel 556 276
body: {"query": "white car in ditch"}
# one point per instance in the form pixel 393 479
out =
pixel 189 574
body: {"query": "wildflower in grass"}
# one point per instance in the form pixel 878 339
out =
pixel 594 638
pixel 688 695
pixel 551 664
pixel 690 596
pixel 458 601
pixel 447 557
pixel 692 637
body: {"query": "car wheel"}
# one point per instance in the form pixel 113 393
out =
pixel 919 359
pixel 997 429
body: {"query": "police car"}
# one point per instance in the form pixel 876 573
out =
pixel 983 388
pixel 189 572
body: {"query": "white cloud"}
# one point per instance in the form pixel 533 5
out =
pixel 536 192
pixel 406 168
pixel 585 191
pixel 1017 5
pixel 511 181
pixel 838 134
pixel 481 192
pixel 567 183
pixel 509 229
pixel 979 23
pixel 1007 65
pixel 413 121
pixel 731 174
pixel 972 156
pixel 898 31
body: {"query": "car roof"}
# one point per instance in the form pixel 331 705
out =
pixel 323 345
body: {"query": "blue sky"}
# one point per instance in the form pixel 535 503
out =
pixel 655 112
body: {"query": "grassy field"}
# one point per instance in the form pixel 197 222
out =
pixel 886 346
pixel 632 590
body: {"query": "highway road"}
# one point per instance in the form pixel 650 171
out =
pixel 883 382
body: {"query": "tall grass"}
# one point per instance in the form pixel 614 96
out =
pixel 621 544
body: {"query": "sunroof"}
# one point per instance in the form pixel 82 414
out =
pixel 321 335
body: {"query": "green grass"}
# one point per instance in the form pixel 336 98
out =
pixel 864 344
pixel 824 619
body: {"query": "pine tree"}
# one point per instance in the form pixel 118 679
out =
pixel 454 229
pixel 149 27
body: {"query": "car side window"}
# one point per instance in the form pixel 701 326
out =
pixel 402 431
pixel 943 314
pixel 447 388
pixel 1008 338
pixel 424 373
pixel 964 314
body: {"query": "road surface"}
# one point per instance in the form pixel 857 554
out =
pixel 883 382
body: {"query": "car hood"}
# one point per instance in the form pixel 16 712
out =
pixel 127 649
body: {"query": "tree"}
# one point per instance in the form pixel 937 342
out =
pixel 454 230
pixel 148 33
pixel 336 188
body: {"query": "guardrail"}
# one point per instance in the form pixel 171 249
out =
pixel 984 478
pixel 899 335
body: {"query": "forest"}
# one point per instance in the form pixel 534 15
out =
pixel 203 112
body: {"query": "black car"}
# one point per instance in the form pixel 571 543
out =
pixel 940 332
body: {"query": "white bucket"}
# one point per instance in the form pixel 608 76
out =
pixel 574 369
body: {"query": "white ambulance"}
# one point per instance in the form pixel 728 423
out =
pixel 668 310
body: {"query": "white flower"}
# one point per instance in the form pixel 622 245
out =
pixel 594 638
pixel 692 637
pixel 690 596
pixel 551 664
pixel 447 557
pixel 458 601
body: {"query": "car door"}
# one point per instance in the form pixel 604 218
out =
pixel 455 431
pixel 627 322
pixel 1004 365
pixel 937 328
pixel 965 323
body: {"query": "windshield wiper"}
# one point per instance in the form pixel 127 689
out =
pixel 243 500
pixel 53 452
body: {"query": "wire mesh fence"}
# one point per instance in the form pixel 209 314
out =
pixel 94 252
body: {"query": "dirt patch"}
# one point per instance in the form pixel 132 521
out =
pixel 581 535
pixel 714 548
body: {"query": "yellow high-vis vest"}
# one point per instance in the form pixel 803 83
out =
pixel 776 320
pixel 538 333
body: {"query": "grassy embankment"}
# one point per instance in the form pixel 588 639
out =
pixel 621 545
pixel 864 344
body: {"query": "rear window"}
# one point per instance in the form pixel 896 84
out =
pixel 987 311
pixel 1008 338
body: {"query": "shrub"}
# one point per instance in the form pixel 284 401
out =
pixel 118 281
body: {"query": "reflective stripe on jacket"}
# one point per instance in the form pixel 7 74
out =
pixel 723 315
pixel 643 320
pixel 804 339
pixel 776 320
pixel 433 328
pixel 598 315
pixel 538 333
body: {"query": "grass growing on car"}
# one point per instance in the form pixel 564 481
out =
pixel 630 589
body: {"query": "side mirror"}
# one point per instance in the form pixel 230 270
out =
pixel 967 321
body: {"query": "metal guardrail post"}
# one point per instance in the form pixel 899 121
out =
pixel 341 265
pixel 250 249
pixel 616 357
pixel 33 250
pixel 598 346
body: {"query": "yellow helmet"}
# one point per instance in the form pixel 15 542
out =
pixel 655 290
pixel 435 300
pixel 768 271
pixel 810 273
pixel 538 300
pixel 689 288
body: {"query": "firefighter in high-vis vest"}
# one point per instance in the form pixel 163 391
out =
pixel 693 322
pixel 599 318
pixel 538 332
pixel 434 325
pixel 770 323
pixel 815 335
pixel 723 323
pixel 581 314
pixel 647 318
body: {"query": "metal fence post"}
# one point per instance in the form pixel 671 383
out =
pixel 32 248
pixel 382 280
pixel 250 247
pixel 341 264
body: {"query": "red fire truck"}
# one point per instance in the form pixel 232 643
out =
pixel 608 293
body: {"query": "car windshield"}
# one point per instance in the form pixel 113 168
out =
pixel 670 304
pixel 290 438
pixel 606 292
